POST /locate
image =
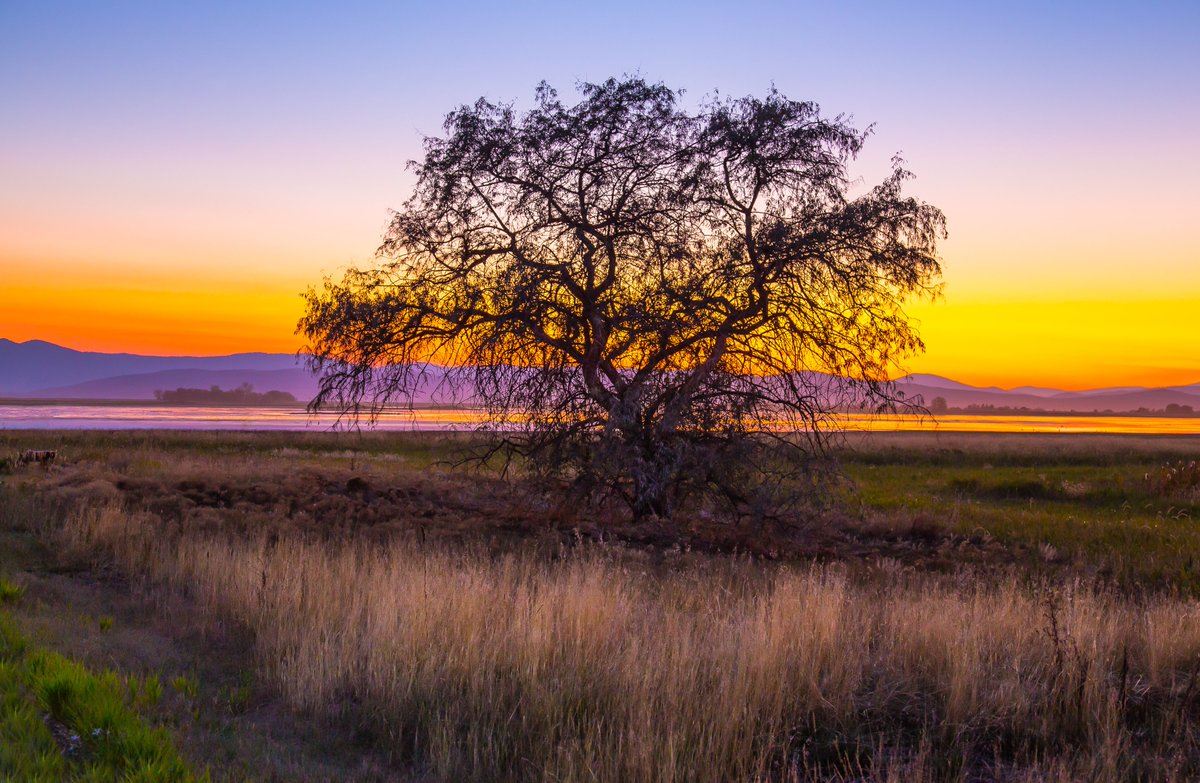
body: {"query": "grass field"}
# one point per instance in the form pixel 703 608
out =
pixel 975 607
pixel 1119 508
pixel 61 722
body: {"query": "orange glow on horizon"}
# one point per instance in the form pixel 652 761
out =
pixel 1070 345
pixel 173 178
pixel 159 322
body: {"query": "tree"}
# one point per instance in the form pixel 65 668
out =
pixel 647 301
pixel 938 406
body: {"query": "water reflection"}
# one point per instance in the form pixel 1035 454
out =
pixel 111 417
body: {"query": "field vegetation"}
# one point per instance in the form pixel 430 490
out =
pixel 59 721
pixel 970 608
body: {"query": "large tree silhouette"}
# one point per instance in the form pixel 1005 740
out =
pixel 647 300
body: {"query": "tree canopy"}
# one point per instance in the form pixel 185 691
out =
pixel 641 296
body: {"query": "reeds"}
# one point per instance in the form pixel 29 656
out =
pixel 596 667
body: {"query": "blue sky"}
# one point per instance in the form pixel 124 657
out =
pixel 257 146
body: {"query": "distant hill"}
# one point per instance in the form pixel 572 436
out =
pixel 297 382
pixel 1036 391
pixel 1194 389
pixel 936 382
pixel 1107 392
pixel 1117 400
pixel 35 367
pixel 44 370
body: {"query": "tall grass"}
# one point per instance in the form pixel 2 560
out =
pixel 592 667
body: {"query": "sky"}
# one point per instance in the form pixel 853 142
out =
pixel 174 175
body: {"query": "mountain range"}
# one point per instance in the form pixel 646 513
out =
pixel 1116 399
pixel 38 369
pixel 42 370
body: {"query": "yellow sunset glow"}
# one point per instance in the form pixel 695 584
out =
pixel 156 322
pixel 1069 345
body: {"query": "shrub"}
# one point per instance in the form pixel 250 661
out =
pixel 1175 479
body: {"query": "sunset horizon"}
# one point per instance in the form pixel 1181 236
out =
pixel 1171 378
pixel 196 202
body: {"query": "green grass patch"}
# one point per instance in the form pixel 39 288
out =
pixel 1104 514
pixel 188 687
pixel 10 592
pixel 60 721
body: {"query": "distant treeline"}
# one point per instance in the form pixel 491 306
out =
pixel 1172 411
pixel 215 395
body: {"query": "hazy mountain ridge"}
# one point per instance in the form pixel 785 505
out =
pixel 1090 401
pixel 33 367
pixel 43 370
pixel 297 382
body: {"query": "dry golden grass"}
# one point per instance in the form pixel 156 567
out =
pixel 589 667
pixel 443 617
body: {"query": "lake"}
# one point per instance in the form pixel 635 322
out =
pixel 151 416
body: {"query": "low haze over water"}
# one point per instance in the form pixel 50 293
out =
pixel 113 417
